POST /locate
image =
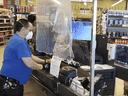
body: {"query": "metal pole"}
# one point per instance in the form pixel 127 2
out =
pixel 15 18
pixel 93 46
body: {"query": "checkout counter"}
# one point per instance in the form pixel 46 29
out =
pixel 55 37
pixel 65 84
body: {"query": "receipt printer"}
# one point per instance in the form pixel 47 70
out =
pixel 67 73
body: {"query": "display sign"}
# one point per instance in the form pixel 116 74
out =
pixel 85 12
pixel 55 66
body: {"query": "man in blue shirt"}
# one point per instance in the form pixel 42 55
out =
pixel 18 61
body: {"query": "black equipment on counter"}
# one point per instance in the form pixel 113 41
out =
pixel 101 47
pixel 98 59
pixel 67 73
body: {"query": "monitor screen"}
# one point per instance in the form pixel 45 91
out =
pixel 81 30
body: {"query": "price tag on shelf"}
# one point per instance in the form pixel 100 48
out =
pixel 124 37
pixel 4 20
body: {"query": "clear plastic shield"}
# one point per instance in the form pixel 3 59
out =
pixel 54 28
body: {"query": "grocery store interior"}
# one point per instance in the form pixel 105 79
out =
pixel 87 41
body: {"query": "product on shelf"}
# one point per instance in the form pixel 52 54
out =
pixel 1 39
pixel 121 54
pixel 115 22
pixel 114 34
pixel 17 8
pixel 110 22
pixel 109 34
pixel 124 23
pixel 24 9
pixel 7 33
pixel 117 34
pixel 110 13
pixel 124 34
pixel 21 8
pixel 1 34
pixel 121 34
pixel 120 22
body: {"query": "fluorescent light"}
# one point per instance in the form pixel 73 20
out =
pixel 30 1
pixel 85 3
pixel 117 3
pixel 57 2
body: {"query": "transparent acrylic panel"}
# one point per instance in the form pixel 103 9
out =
pixel 54 28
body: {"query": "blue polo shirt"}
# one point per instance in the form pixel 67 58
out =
pixel 13 66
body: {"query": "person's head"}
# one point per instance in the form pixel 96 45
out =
pixel 32 19
pixel 24 28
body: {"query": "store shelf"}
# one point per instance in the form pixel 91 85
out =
pixel 115 16
pixel 5 41
pixel 120 65
pixel 118 29
pixel 22 13
pixel 4 23
pixel 4 19
pixel 3 15
pixel 5 31
pixel 119 37
pixel 6 26
pixel 1 36
pixel 7 35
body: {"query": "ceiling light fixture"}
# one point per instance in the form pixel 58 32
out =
pixel 117 3
pixel 30 1
pixel 85 3
pixel 57 2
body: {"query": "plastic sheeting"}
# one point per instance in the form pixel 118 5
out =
pixel 54 28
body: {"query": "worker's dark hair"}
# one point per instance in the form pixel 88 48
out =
pixel 31 18
pixel 21 23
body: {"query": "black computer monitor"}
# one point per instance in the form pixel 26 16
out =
pixel 81 31
pixel 82 40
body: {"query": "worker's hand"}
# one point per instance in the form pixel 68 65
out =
pixel 46 66
pixel 48 61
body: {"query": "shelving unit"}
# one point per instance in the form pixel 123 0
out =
pixel 6 29
pixel 117 28
pixel 16 17
pixel 117 24
pixel 101 23
pixel 116 21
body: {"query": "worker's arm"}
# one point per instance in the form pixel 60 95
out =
pixel 38 60
pixel 32 64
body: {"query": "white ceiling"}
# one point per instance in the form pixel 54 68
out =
pixel 82 0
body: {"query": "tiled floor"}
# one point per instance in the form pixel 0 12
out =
pixel 29 90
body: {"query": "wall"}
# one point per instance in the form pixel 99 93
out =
pixel 1 2
pixel 105 4
pixel 23 2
